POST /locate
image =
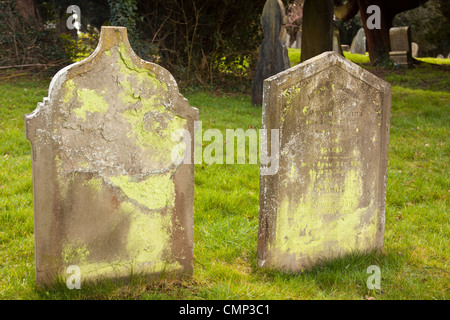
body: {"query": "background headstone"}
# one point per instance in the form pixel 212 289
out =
pixel 414 50
pixel 273 55
pixel 400 39
pixel 440 56
pixel 317 28
pixel 359 43
pixel 107 196
pixel 337 43
pixel 328 197
pixel 345 47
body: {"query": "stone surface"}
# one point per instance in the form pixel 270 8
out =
pixel 440 56
pixel 359 43
pixel 328 197
pixel 107 196
pixel 400 39
pixel 317 28
pixel 414 50
pixel 273 55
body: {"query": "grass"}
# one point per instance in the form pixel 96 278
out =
pixel 414 263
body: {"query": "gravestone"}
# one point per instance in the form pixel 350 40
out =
pixel 414 49
pixel 440 56
pixel 345 47
pixel 448 56
pixel 273 55
pixel 337 47
pixel 359 42
pixel 108 198
pixel 328 197
pixel 298 40
pixel 317 28
pixel 400 39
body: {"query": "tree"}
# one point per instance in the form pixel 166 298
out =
pixel 377 39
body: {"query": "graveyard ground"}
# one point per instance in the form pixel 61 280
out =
pixel 414 263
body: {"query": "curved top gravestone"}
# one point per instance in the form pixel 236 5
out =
pixel 107 196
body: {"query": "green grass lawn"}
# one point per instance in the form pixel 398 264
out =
pixel 414 263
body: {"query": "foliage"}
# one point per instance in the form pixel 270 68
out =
pixel 26 41
pixel 81 47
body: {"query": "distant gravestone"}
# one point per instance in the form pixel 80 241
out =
pixel 273 55
pixel 337 43
pixel 328 197
pixel 108 198
pixel 359 43
pixel 401 52
pixel 440 56
pixel 414 50
pixel 448 56
pixel 298 40
pixel 345 47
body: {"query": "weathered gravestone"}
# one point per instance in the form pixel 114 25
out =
pixel 273 56
pixel 107 196
pixel 440 56
pixel 328 197
pixel 400 39
pixel 359 43
pixel 414 50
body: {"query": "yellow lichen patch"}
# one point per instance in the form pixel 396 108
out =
pixel 70 88
pixel 151 134
pixel 95 183
pixel 149 238
pixel 143 75
pixel 326 223
pixel 91 101
pixel 75 253
pixel 155 192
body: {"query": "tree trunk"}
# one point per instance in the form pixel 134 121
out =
pixel 27 9
pixel 378 43
pixel 317 30
pixel 377 40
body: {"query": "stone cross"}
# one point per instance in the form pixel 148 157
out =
pixel 273 55
pixel 328 197
pixel 108 197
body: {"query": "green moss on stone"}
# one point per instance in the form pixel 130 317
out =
pixel 91 101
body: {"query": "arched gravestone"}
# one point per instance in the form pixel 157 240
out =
pixel 273 56
pixel 328 197
pixel 107 196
